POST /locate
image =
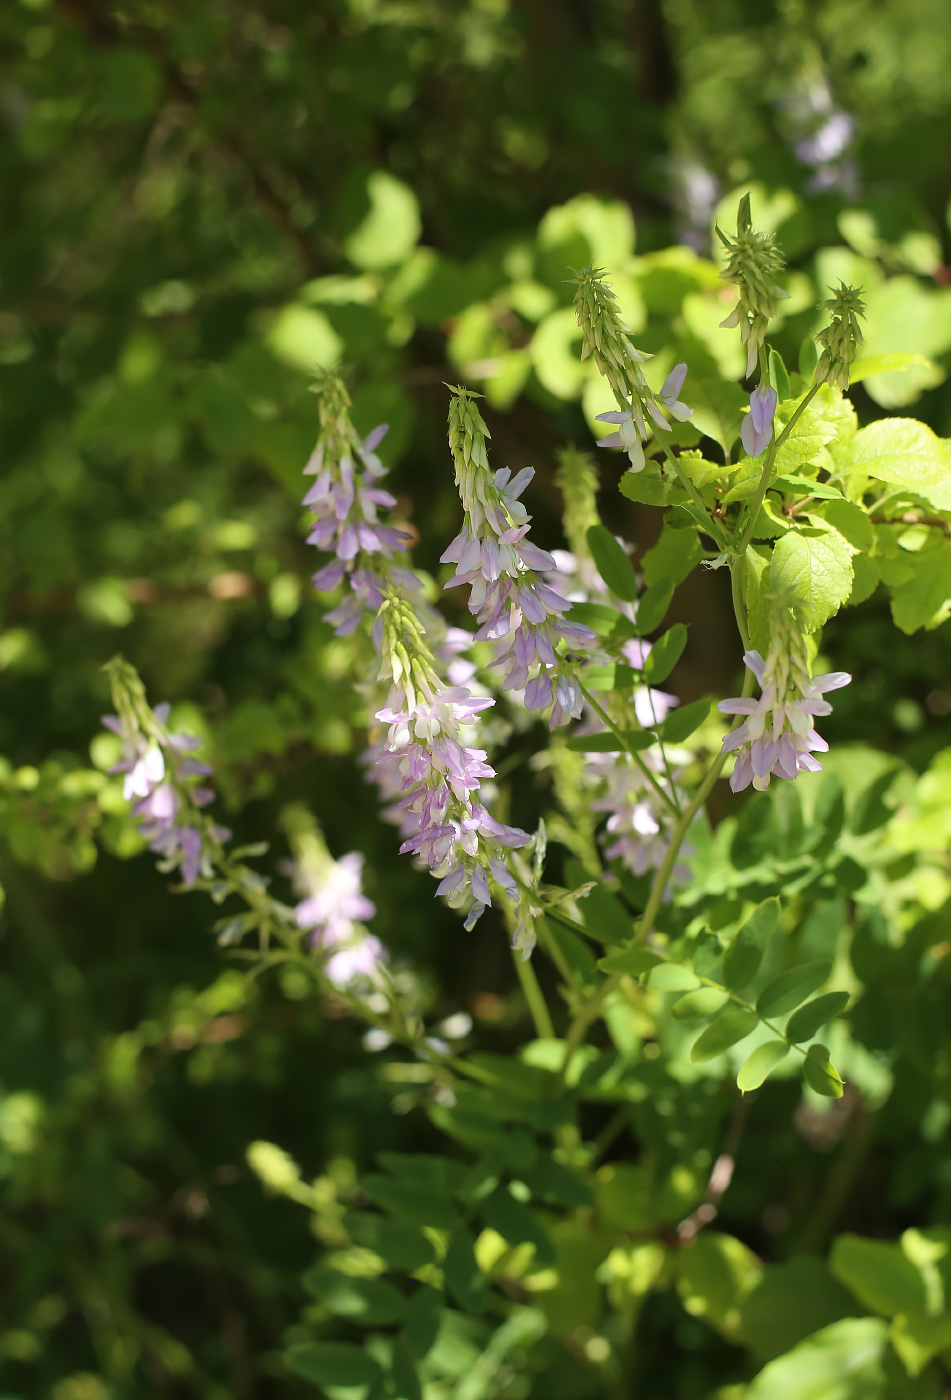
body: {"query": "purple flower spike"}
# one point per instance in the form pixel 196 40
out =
pixel 777 737
pixel 757 430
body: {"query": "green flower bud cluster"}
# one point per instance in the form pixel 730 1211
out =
pixel 605 337
pixel 337 433
pixel 407 659
pixel 842 338
pixel 755 260
pixel 467 432
pixel 577 481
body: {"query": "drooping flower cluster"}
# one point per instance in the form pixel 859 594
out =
pixel 754 262
pixel 640 824
pixel 605 337
pixel 502 568
pixel 167 787
pixel 345 499
pixel 440 775
pixel 842 338
pixel 333 907
pixel 778 736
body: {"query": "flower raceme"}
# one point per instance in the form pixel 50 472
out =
pixel 778 737
pixel 503 570
pixel 440 775
pixel 345 499
pixel 333 909
pixel 167 788
pixel 754 261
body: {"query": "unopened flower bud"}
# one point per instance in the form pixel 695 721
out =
pixel 842 338
pixel 755 260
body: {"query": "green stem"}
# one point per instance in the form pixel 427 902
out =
pixel 622 744
pixel 749 525
pixel 533 995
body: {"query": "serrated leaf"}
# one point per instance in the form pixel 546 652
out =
pixel 816 565
pixel 805 486
pixel 761 1064
pixel 721 1034
pixel 820 1073
pixel 651 487
pixel 804 1023
pixel 790 989
pixel 684 721
pixel 612 563
pixel 332 1363
pixel 636 739
pixel 902 452
pixel 924 600
pixel 851 521
pixel 652 605
pixel 633 961
pixel 812 430
pixel 665 654
pixel 698 1005
pixel 742 959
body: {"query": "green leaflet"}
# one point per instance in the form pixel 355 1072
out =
pixel 721 1034
pixel 901 451
pixel 613 563
pixel 332 1363
pixel 665 654
pixel 684 720
pixel 880 1275
pixel 761 1064
pixel 653 604
pixel 803 1024
pixel 820 1073
pixel 742 959
pixel 790 989
pixel 841 1362
pixel 816 565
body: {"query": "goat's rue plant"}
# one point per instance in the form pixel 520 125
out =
pixel 669 966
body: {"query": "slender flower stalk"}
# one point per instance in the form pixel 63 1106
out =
pixel 504 572
pixel 345 499
pixel 754 262
pixel 167 787
pixel 778 737
pixel 440 774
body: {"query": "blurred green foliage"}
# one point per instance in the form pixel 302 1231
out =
pixel 201 204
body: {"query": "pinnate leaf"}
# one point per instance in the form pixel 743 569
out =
pixel 725 1031
pixel 790 989
pixel 820 1073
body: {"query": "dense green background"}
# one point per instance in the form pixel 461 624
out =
pixel 200 202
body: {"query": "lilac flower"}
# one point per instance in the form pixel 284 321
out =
pixel 639 825
pixel 345 499
pixel 632 427
pixel 333 909
pixel 440 774
pixel 756 432
pixel 503 568
pixel 159 781
pixel 778 737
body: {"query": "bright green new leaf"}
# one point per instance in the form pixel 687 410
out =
pixel 715 1274
pixel 761 1064
pixel 721 1034
pixel 880 1275
pixel 653 604
pixel 816 565
pixel 804 1023
pixel 805 486
pixel 613 563
pixel 304 339
pixel 864 366
pixel 850 520
pixel 900 451
pixel 790 989
pixel 924 600
pixel 665 653
pixel 671 977
pixel 820 1073
pixel 841 1362
pixel 742 959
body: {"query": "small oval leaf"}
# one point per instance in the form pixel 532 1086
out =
pixel 671 977
pixel 612 563
pixel 633 961
pixel 665 654
pixel 803 1024
pixel 653 604
pixel 725 1031
pixel 760 1064
pixel 820 1073
pixel 742 959
pixel 698 1005
pixel 684 721
pixel 790 989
